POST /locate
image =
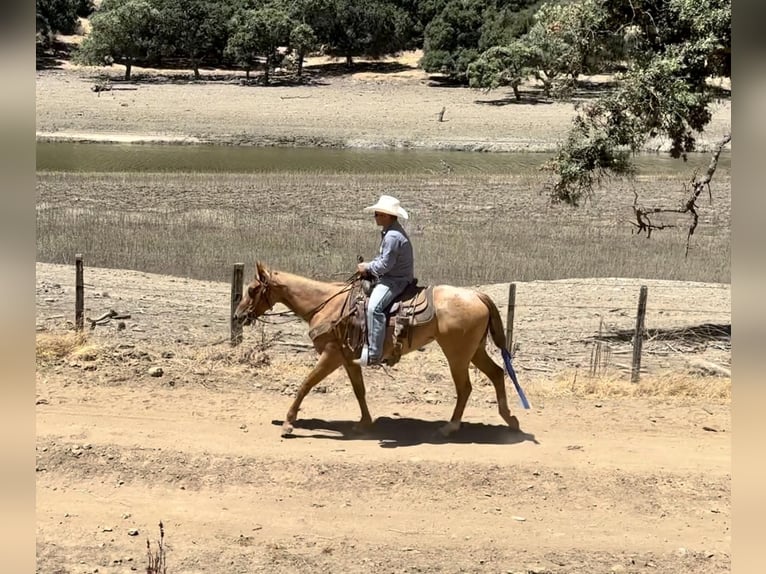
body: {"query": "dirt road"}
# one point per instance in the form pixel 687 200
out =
pixel 594 483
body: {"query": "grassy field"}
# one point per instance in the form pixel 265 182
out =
pixel 467 230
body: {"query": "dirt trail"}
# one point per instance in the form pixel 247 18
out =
pixel 591 484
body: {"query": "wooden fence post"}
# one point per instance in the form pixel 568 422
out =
pixel 79 293
pixel 638 336
pixel 509 317
pixel 236 296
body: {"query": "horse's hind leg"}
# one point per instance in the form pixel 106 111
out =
pixel 495 374
pixel 458 366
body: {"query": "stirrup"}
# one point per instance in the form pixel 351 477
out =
pixel 364 358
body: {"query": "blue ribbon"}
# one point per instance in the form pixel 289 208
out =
pixel 512 374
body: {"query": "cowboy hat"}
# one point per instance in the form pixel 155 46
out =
pixel 390 205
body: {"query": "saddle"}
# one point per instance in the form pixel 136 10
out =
pixel 414 306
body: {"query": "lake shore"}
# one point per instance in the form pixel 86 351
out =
pixel 388 104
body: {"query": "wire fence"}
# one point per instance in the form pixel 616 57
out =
pixel 608 317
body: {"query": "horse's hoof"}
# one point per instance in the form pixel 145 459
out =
pixel 513 423
pixel 448 429
pixel 287 429
pixel 362 427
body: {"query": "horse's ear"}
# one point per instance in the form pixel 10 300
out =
pixel 263 272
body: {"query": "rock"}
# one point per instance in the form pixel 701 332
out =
pixel 519 518
pixel 168 354
pixel 132 532
pixel 155 371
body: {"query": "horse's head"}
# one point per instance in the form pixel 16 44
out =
pixel 256 300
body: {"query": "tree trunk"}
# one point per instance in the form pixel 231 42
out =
pixel 266 71
pixel 516 92
pixel 547 83
pixel 300 64
pixel 349 61
pixel 195 64
pixel 247 73
pixel 128 67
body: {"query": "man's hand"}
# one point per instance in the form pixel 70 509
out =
pixel 361 268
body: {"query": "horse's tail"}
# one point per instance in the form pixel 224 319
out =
pixel 495 322
pixel 498 337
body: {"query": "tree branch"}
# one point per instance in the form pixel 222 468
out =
pixel 643 220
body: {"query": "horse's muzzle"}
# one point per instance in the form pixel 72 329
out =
pixel 243 319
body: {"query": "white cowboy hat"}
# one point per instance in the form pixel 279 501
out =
pixel 390 205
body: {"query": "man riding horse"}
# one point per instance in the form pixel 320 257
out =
pixel 392 270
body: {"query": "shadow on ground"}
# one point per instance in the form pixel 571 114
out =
pixel 397 432
pixel 52 57
pixel 511 100
pixel 339 68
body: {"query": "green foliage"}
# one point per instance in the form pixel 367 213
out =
pixel 451 38
pixel 507 22
pixel 122 32
pixel 366 28
pixel 302 40
pixel 271 28
pixel 565 40
pixel 459 30
pixel 506 65
pixel 673 48
pixel 55 16
pixel 242 46
pixel 192 29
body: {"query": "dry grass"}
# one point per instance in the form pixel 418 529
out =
pixel 467 230
pixel 674 385
pixel 51 347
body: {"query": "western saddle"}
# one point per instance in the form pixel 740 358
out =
pixel 414 306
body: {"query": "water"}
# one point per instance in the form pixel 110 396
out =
pixel 104 157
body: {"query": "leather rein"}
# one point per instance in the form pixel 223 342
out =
pixel 264 292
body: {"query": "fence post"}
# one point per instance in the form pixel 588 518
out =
pixel 638 336
pixel 79 293
pixel 509 317
pixel 236 295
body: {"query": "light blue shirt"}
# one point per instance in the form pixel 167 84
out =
pixel 395 264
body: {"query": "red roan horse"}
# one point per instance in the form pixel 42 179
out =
pixel 463 319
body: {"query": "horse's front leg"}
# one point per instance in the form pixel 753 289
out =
pixel 354 373
pixel 330 358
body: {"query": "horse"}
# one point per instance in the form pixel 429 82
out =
pixel 463 318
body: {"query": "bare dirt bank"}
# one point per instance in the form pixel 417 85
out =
pixel 388 104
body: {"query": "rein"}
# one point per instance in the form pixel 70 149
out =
pixel 264 293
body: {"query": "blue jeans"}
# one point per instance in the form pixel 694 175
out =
pixel 381 297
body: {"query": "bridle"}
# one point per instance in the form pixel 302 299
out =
pixel 264 290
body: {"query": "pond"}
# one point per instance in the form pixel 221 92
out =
pixel 105 157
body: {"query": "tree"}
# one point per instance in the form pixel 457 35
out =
pixel 672 49
pixel 192 29
pixel 458 31
pixel 54 16
pixel 451 39
pixel 258 33
pixel 242 43
pixel 565 41
pixel 505 65
pixel 272 27
pixel 302 40
pixel 353 28
pixel 122 32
